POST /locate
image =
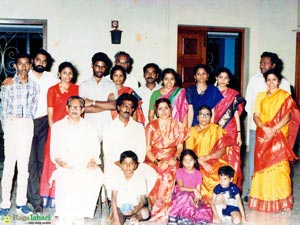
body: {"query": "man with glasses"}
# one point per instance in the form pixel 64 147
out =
pixel 124 59
pixel 256 84
pixel 75 151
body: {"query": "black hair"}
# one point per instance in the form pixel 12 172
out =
pixel 128 97
pixel 76 97
pixel 204 107
pixel 129 154
pixel 226 170
pixel 192 154
pixel 202 66
pixel 156 68
pixel 161 100
pixel 114 69
pixel 100 56
pixel 64 65
pixel 129 59
pixel 223 70
pixel 274 72
pixel 175 74
pixel 22 55
pixel 274 60
pixel 49 58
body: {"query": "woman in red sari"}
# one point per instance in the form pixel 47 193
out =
pixel 211 144
pixel 118 76
pixel 227 114
pixel 164 138
pixel 271 189
pixel 56 99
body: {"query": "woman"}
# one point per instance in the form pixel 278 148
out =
pixel 164 139
pixel 201 94
pixel 118 76
pixel 56 101
pixel 271 189
pixel 211 144
pixel 174 93
pixel 227 114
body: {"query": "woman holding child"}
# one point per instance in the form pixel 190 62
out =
pixel 164 139
pixel 211 144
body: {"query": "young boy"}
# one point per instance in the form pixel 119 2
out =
pixel 226 200
pixel 129 193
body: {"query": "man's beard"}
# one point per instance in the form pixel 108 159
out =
pixel 39 68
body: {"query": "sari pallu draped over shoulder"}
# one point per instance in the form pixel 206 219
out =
pixel 208 141
pixel 178 101
pixel 277 149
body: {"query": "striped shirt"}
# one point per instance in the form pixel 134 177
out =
pixel 19 100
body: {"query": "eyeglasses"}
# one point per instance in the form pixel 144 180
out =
pixel 204 115
pixel 76 107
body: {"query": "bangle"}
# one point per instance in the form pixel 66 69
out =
pixel 176 158
pixel 94 103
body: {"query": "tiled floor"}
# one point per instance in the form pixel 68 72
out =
pixel 253 217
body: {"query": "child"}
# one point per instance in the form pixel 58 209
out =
pixel 129 193
pixel 226 199
pixel 186 206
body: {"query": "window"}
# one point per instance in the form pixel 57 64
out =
pixel 19 36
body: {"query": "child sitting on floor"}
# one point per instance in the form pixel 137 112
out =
pixel 226 200
pixel 129 193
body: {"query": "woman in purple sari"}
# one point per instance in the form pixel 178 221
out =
pixel 174 93
pixel 201 94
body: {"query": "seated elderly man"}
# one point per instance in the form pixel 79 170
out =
pixel 75 150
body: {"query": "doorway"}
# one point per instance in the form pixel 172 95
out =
pixel 214 46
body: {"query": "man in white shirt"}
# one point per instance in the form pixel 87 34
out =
pixel 152 75
pixel 99 93
pixel 124 59
pixel 255 85
pixel 75 150
pixel 42 63
pixel 122 134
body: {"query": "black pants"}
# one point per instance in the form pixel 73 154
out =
pixel 36 160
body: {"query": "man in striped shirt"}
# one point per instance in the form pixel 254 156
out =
pixel 19 104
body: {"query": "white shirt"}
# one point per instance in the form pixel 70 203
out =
pixel 131 82
pixel 46 81
pixel 145 93
pixel 255 85
pixel 98 91
pixel 118 138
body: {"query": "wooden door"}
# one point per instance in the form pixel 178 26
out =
pixel 190 52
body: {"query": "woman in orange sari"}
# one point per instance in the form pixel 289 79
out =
pixel 271 189
pixel 118 76
pixel 56 100
pixel 164 139
pixel 211 144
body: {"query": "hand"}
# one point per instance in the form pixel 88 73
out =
pixel 115 222
pixel 8 81
pixel 92 164
pixel 203 158
pixel 163 165
pixel 269 133
pixel 63 164
pixel 197 194
pixel 207 167
pixel 216 219
pixel 111 97
pixel 88 102
pixel 239 139
pixel 172 162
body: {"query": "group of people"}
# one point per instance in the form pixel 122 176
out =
pixel 164 152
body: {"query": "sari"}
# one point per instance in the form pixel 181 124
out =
pixel 231 102
pixel 205 142
pixel 163 147
pixel 271 189
pixel 177 97
pixel 139 112
pixel 58 101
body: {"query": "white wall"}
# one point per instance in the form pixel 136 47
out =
pixel 79 28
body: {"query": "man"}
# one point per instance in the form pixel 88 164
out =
pixel 255 85
pixel 41 65
pixel 99 93
pixel 152 77
pixel 19 103
pixel 124 59
pixel 75 149
pixel 122 134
